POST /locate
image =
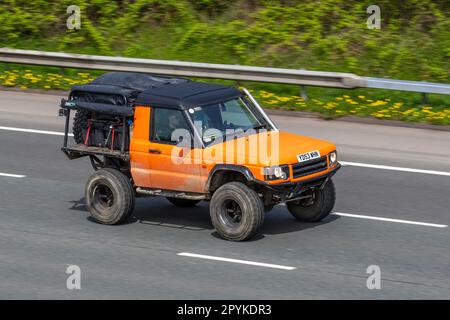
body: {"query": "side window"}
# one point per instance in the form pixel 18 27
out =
pixel 165 122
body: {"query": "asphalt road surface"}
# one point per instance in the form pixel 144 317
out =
pixel 44 225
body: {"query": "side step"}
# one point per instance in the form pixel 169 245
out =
pixel 170 193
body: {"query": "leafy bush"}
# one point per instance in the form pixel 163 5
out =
pixel 413 43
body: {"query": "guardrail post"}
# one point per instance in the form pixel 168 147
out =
pixel 424 98
pixel 303 93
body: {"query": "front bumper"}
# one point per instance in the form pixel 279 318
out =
pixel 290 190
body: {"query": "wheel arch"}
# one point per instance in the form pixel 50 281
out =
pixel 222 173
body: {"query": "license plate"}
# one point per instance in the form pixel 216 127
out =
pixel 308 156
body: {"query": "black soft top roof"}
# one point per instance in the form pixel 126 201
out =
pixel 135 81
pixel 152 90
pixel 186 94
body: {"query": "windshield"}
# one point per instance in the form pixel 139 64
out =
pixel 226 117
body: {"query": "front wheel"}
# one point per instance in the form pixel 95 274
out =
pixel 109 196
pixel 236 211
pixel 316 207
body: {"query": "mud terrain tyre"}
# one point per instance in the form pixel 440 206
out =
pixel 185 203
pixel 317 208
pixel 109 196
pixel 237 213
pixel 79 120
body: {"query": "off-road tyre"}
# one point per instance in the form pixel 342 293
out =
pixel 79 121
pixel 320 207
pixel 237 212
pixel 109 196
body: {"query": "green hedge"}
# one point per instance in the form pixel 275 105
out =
pixel 331 35
pixel 413 43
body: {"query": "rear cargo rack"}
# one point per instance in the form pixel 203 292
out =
pixel 81 150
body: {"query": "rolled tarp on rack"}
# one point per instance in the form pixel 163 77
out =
pixel 111 109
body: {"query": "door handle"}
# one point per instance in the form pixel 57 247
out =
pixel 156 151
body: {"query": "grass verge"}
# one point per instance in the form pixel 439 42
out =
pixel 330 103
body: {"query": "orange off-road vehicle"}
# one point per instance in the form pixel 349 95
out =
pixel 191 141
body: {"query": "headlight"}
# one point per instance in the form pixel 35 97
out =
pixel 333 158
pixel 276 172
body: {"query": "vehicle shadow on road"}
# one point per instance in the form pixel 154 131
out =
pixel 279 221
pixel 159 212
pixel 80 205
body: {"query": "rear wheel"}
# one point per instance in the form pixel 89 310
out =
pixel 236 211
pixel 182 202
pixel 316 207
pixel 109 196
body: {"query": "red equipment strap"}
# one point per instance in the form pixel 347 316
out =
pixel 112 139
pixel 88 133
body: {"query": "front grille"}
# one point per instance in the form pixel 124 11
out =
pixel 309 167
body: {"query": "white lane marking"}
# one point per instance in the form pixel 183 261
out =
pixel 54 133
pixel 12 175
pixel 435 225
pixel 383 167
pixel 253 263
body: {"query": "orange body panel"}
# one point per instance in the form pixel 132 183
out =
pixel 162 170
pixel 265 149
pixel 139 145
pixel 186 169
